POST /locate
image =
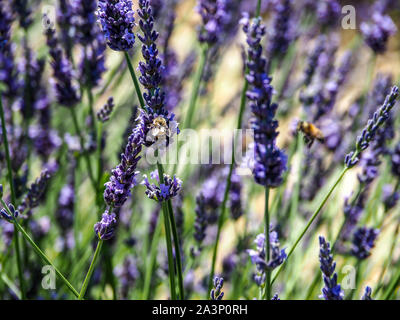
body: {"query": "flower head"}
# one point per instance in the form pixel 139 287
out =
pixel 214 17
pixel 105 228
pixel 367 294
pixel 117 21
pixel 168 189
pixel 103 115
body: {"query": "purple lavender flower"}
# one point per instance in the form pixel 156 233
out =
pixel 200 223
pixel 167 190
pixel 5 24
pixel 235 196
pixel 105 228
pixel 370 167
pixel 127 273
pixel 367 294
pixel 281 31
pixel 35 193
pixel 92 64
pixel 328 13
pixel 275 297
pixel 117 21
pixel 313 58
pixel 395 158
pixel 103 115
pixel 64 21
pixel 369 132
pixel 332 290
pixel 377 32
pixel 270 161
pixel 123 176
pixel 390 197
pixel 216 292
pixel 22 8
pixel 363 242
pixel 6 216
pixel 151 69
pixel 257 256
pixel 66 91
pixel 214 18
pixel 65 210
pixel 84 20
pixel 31 85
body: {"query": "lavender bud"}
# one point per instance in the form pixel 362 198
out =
pixel 103 115
pixel 214 17
pixel 367 294
pixel 167 190
pixel 216 292
pixel 105 228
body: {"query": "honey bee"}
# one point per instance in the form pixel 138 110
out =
pixel 311 132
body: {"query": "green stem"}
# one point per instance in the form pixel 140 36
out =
pixel 314 216
pixel 39 252
pixel 227 187
pixel 267 292
pixel 196 87
pixel 90 271
pixel 13 198
pixel 177 249
pixel 82 143
pixel 135 80
pixel 171 268
pixel 258 10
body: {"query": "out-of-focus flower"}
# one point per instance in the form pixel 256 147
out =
pixel 23 10
pixel 67 29
pixel 117 21
pixel 377 32
pixel 216 292
pixel 103 115
pixel 390 197
pixel 282 31
pixel 214 16
pixel 66 90
pixel 105 228
pixel 127 273
pixel 35 193
pixel 363 242
pixel 331 290
pixel 328 13
pixel 269 161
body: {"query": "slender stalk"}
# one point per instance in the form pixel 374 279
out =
pixel 171 267
pixel 39 252
pixel 258 9
pixel 177 249
pixel 135 80
pixel 227 187
pixel 314 216
pixel 267 292
pixel 90 271
pixel 82 143
pixel 13 198
pixel 196 87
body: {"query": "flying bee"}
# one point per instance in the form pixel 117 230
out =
pixel 311 132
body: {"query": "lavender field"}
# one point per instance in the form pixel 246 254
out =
pixel 199 150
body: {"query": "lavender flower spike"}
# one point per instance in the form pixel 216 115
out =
pixel 363 242
pixel 103 115
pixel 123 176
pixel 217 293
pixel 214 15
pixel 332 290
pixel 117 21
pixel 105 228
pixel 270 161
pixel 369 132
